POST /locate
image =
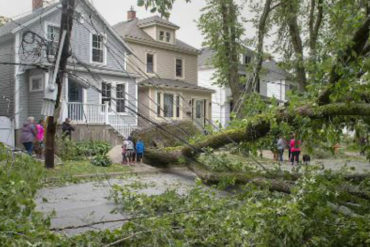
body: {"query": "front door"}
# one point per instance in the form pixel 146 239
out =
pixel 199 111
pixel 75 101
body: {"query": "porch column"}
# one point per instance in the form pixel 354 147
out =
pixel 106 112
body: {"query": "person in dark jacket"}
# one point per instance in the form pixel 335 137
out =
pixel 67 129
pixel 28 134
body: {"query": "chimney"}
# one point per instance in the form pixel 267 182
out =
pixel 37 4
pixel 131 14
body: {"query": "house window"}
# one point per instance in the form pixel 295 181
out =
pixel 36 84
pixel 106 93
pixel 52 34
pixel 247 60
pixel 161 35
pixel 168 36
pixel 177 106
pixel 179 68
pixel 168 105
pixel 97 48
pixel 120 97
pixel 158 104
pixel 149 63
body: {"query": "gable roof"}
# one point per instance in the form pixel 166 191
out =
pixel 156 20
pixel 131 31
pixel 20 23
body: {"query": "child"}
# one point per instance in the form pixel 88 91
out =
pixel 139 150
pixel 39 147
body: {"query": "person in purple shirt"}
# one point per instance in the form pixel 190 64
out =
pixel 28 134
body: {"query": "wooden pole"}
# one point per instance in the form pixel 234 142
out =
pixel 66 25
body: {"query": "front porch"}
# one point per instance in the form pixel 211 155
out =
pixel 96 114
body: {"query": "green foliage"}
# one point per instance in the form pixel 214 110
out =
pixel 70 150
pixel 101 160
pixel 253 217
pixel 20 224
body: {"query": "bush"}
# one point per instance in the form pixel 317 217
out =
pixel 70 150
pixel 101 160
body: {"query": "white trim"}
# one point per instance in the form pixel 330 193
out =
pixel 175 94
pixel 137 102
pixel 126 97
pixel 183 68
pixel 31 83
pixel 104 63
pixel 154 62
pixel 113 105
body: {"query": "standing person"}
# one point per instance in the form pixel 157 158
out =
pixel 280 147
pixel 67 129
pixel 289 150
pixel 124 153
pixel 40 138
pixel 129 150
pixel 140 148
pixel 295 147
pixel 28 134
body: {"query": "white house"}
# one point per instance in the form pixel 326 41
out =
pixel 273 83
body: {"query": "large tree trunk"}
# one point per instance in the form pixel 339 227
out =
pixel 230 45
pixel 258 128
pixel 314 25
pixel 294 32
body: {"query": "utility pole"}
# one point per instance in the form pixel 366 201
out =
pixel 65 33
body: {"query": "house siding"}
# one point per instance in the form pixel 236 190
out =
pixel 164 62
pixel 115 58
pixel 81 39
pixel 35 99
pixel 7 79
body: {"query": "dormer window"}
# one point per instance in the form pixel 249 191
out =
pixel 168 36
pixel 161 35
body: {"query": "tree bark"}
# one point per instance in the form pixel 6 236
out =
pixel 296 40
pixel 314 25
pixel 254 130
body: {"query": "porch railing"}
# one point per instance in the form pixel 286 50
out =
pixel 81 113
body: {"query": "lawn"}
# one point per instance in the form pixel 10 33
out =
pixel 75 171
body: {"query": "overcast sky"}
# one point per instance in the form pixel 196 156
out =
pixel 183 14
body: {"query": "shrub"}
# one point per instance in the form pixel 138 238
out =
pixel 101 160
pixel 70 150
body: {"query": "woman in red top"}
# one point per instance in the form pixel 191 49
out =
pixel 295 147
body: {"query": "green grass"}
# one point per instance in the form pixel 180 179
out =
pixel 75 171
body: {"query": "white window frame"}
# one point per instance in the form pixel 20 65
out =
pixel 163 37
pixel 125 97
pixel 47 24
pixel 41 77
pixel 170 36
pixel 174 94
pixel 113 104
pixel 154 62
pixel 104 49
pixel 183 68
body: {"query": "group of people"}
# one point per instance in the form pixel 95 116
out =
pixel 32 136
pixel 294 148
pixel 132 152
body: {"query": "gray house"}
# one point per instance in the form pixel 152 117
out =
pixel 97 89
